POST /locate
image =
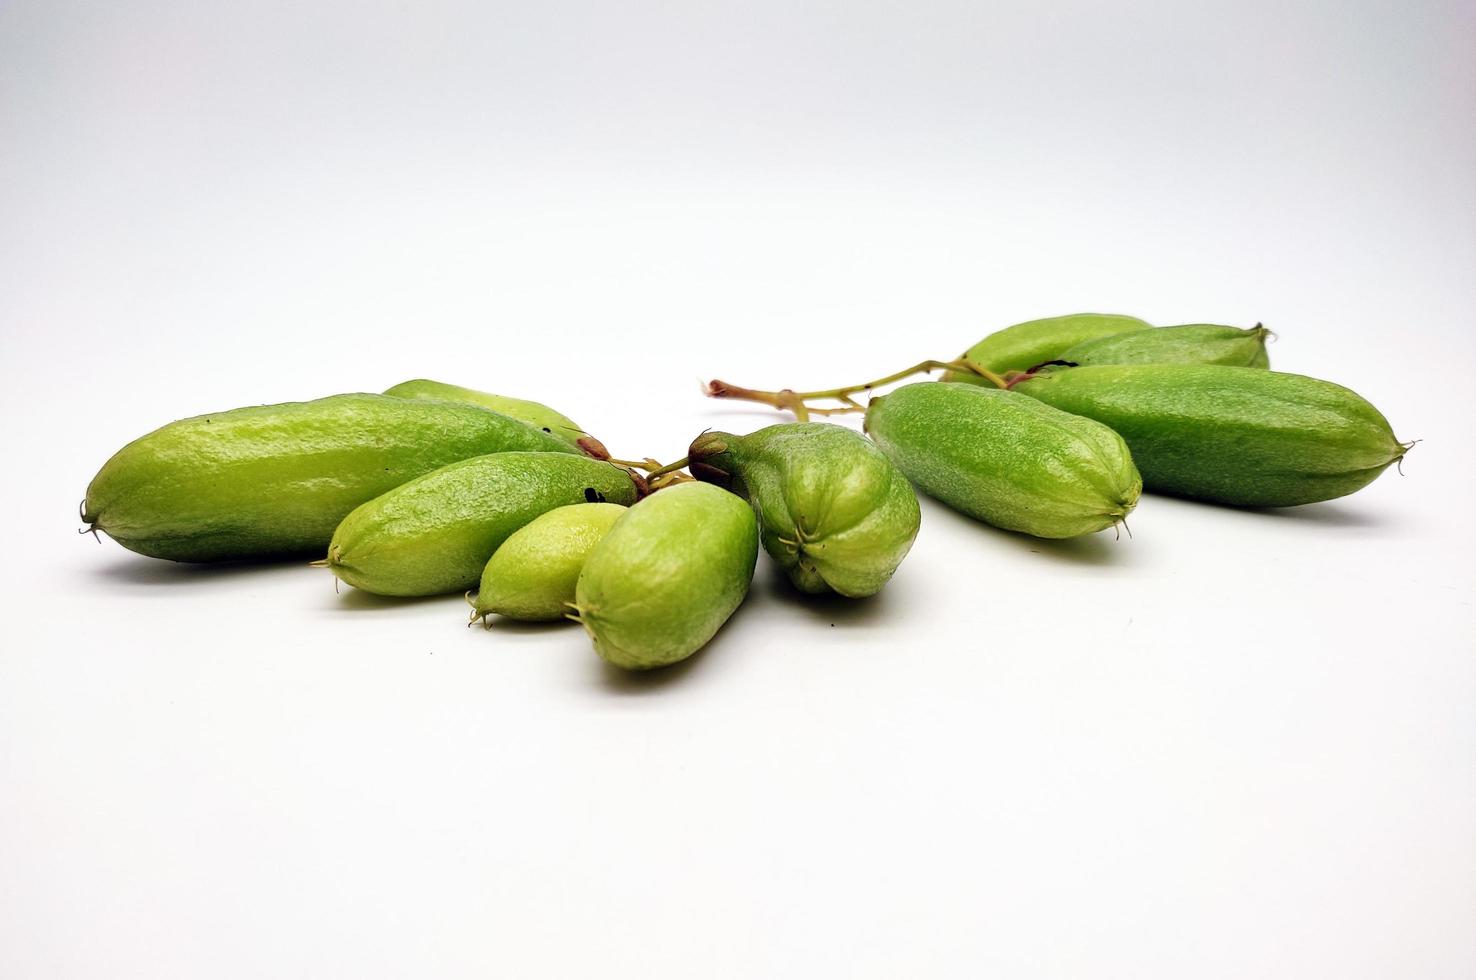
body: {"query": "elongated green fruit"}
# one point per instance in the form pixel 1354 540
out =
pixel 1191 343
pixel 1231 435
pixel 276 479
pixel 532 575
pixel 536 414
pixel 667 576
pixel 436 533
pixel 1024 345
pixel 833 511
pixel 995 455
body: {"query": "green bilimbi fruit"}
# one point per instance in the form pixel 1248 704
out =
pixel 275 480
pixel 833 511
pixel 536 414
pixel 1231 435
pixel 994 455
pixel 1191 343
pixel 1023 346
pixel 435 534
pixel 532 575
pixel 667 576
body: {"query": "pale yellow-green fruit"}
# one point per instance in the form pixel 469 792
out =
pixel 532 575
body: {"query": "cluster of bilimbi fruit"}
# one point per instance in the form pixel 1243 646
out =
pixel 1050 428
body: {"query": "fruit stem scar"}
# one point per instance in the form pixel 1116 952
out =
pixel 798 402
pixel 1015 377
pixel 591 446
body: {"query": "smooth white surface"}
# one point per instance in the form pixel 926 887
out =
pixel 1238 744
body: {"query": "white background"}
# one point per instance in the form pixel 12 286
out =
pixel 1236 745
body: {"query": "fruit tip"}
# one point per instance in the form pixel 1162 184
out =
pixel 330 561
pixel 1404 448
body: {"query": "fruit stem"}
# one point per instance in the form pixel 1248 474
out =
pixel 668 468
pixel 798 401
pixel 648 464
pixel 671 480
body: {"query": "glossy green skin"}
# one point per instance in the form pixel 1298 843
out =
pixel 995 455
pixel 1191 343
pixel 1024 345
pixel 1231 435
pixel 536 414
pixel 435 534
pixel 833 511
pixel 275 480
pixel 668 575
pixel 531 576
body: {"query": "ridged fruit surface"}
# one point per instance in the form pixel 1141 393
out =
pixel 1231 435
pixel 274 480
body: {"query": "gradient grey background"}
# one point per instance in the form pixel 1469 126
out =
pixel 1238 745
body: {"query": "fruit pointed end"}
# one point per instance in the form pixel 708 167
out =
pixel 333 561
pixel 92 521
pixel 1404 448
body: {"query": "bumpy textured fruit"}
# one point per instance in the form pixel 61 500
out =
pixel 435 534
pixel 1191 343
pixel 833 511
pixel 1231 435
pixel 276 479
pixel 995 455
pixel 1024 345
pixel 532 575
pixel 536 414
pixel 668 575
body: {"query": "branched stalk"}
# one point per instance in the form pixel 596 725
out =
pixel 656 476
pixel 799 402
